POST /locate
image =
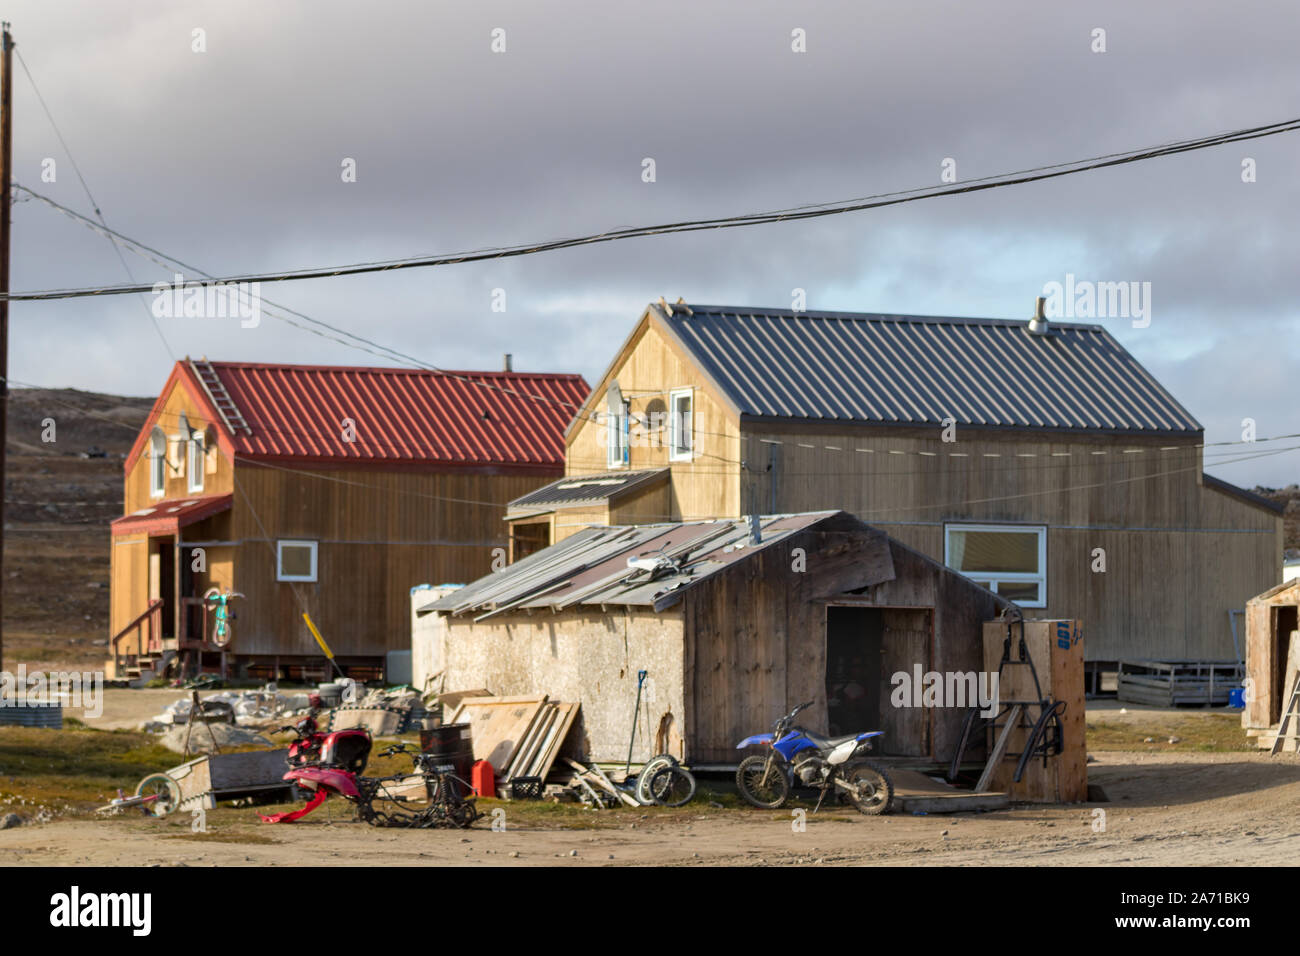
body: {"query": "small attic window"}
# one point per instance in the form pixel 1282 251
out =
pixel 196 465
pixel 157 462
pixel 681 421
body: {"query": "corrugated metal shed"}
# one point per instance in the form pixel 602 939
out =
pixel 582 489
pixel 401 415
pixel 919 370
pixel 592 567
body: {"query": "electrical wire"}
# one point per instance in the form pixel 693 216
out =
pixel 876 201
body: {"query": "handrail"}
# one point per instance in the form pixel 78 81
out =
pixel 153 615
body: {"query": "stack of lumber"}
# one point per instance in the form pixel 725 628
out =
pixel 519 736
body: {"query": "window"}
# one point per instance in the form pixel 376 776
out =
pixel 616 430
pixel 196 463
pixel 157 462
pixel 177 446
pixel 1009 560
pixel 681 425
pixel 295 560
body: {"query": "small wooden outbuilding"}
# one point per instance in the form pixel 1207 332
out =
pixel 1272 659
pixel 734 622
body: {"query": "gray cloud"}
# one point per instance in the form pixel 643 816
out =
pixel 231 159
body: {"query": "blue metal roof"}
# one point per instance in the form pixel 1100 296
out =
pixel 918 370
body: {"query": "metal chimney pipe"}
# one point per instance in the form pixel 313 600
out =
pixel 1039 324
pixel 508 363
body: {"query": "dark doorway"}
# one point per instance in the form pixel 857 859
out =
pixel 167 586
pixel 1284 622
pixel 865 648
pixel 853 649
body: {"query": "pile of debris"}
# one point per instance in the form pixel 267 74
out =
pixel 383 711
pixel 263 709
pixel 215 738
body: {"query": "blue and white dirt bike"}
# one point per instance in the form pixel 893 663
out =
pixel 829 764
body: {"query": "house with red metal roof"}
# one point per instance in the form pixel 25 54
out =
pixel 317 490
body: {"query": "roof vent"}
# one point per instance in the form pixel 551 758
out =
pixel 755 530
pixel 1038 325
pixel 507 363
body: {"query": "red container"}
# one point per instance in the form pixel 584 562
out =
pixel 484 779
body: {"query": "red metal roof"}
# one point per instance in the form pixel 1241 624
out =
pixel 168 517
pixel 400 416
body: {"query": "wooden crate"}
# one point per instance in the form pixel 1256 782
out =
pixel 1056 648
pixel 207 779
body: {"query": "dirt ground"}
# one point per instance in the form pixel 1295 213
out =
pixel 1212 809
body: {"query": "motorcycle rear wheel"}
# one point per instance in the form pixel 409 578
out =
pixel 766 795
pixel 873 791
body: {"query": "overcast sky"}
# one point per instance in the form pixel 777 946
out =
pixel 231 159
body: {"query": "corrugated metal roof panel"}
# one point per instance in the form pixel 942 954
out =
pixel 402 415
pixel 591 567
pixel 919 370
pixel 587 488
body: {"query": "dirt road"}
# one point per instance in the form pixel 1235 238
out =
pixel 1188 809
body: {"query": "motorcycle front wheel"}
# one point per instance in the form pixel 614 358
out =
pixel 870 789
pixel 766 794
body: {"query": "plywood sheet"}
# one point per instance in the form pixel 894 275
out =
pixel 497 724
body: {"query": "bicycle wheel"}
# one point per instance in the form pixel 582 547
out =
pixel 652 767
pixel 165 789
pixel 672 787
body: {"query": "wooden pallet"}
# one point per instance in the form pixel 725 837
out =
pixel 1169 683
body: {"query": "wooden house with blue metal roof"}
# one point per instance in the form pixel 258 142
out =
pixel 1041 460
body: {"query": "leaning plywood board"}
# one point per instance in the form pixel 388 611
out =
pixel 497 724
pixel 550 749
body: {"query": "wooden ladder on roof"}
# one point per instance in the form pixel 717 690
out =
pixel 220 398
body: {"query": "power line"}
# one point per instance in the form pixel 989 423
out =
pixel 876 201
pixel 93 204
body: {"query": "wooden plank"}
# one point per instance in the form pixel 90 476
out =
pixel 546 759
pixel 999 750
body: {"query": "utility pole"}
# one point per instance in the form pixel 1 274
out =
pixel 6 174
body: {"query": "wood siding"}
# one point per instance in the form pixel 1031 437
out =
pixel 1178 555
pixel 649 368
pixel 756 635
pixel 379 533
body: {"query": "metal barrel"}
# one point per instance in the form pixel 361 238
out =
pixel 453 744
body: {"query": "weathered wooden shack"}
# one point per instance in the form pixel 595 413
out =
pixel 734 621
pixel 1272 660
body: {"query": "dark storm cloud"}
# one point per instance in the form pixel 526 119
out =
pixel 231 159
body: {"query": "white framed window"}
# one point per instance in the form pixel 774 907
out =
pixel 295 560
pixel 1010 560
pixel 616 432
pixel 157 462
pixel 195 466
pixel 681 424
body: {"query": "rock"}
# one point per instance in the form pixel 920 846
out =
pixel 10 820
pixel 228 736
pixel 514 853
pixel 1175 740
pixel 573 853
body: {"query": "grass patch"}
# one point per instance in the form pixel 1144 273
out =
pixel 75 769
pixel 1199 733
